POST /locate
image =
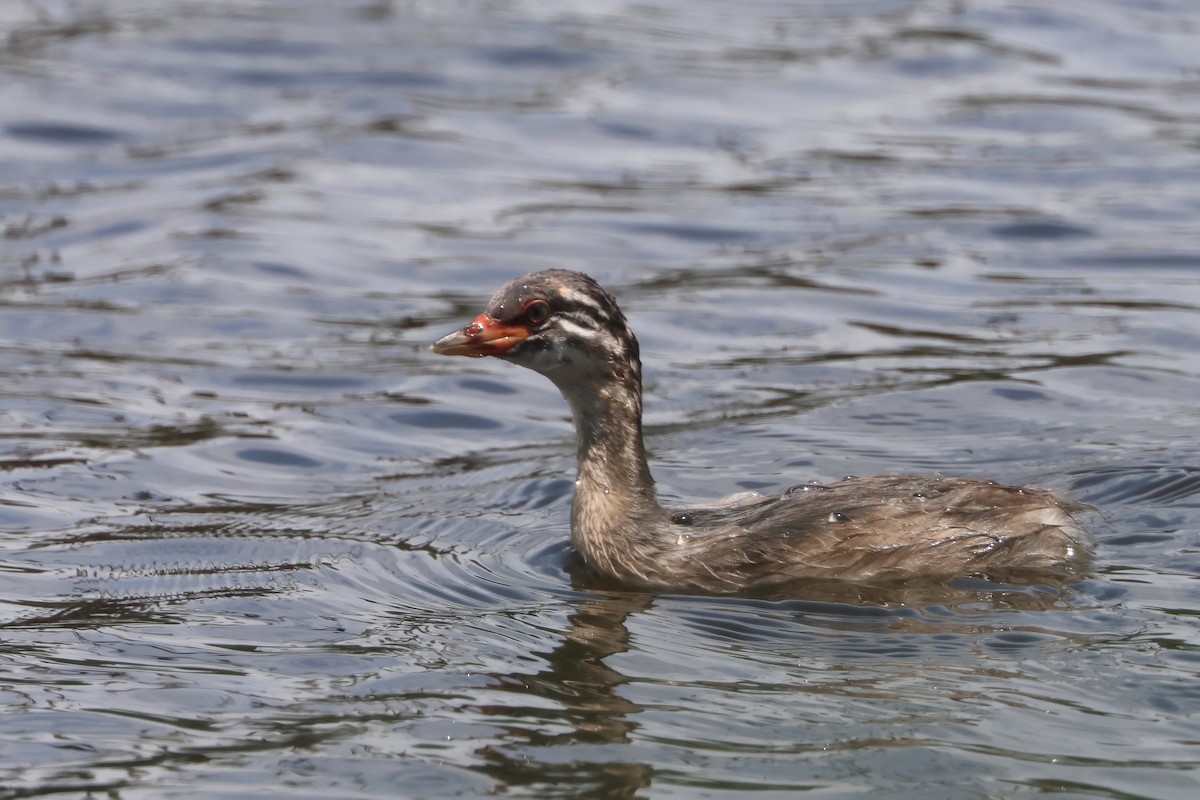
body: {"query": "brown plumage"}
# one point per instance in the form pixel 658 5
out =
pixel 868 530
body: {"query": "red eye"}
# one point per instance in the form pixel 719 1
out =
pixel 536 312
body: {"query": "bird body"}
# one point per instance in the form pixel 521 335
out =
pixel 867 530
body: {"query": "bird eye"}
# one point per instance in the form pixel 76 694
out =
pixel 536 312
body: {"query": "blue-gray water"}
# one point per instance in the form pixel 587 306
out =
pixel 258 541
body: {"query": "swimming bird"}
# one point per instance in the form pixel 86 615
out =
pixel 870 530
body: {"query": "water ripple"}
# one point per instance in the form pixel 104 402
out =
pixel 1142 484
pixel 256 535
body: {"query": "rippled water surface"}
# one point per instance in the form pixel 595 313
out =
pixel 258 541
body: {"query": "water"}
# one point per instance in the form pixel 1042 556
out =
pixel 257 541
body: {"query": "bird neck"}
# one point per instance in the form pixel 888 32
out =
pixel 615 501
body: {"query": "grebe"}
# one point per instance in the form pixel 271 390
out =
pixel 875 530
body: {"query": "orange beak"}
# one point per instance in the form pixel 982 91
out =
pixel 483 337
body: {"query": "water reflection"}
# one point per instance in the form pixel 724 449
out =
pixel 578 699
pixel 584 693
